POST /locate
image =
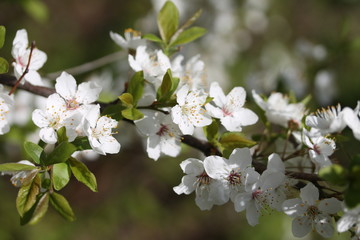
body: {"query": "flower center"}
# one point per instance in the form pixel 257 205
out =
pixel 203 179
pixel 72 104
pixel 163 130
pixel 312 211
pixel 234 178
pixel 226 111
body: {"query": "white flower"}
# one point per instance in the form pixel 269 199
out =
pixel 278 110
pixel 99 132
pixel 54 117
pixel 189 112
pixel 309 213
pixel 352 119
pixel 320 150
pixel 350 219
pixel 235 173
pixel 163 134
pixel 153 64
pixel 6 106
pixel 230 108
pixel 76 96
pixel 330 120
pixel 131 41
pixel 261 195
pixel 22 178
pixel 207 190
pixel 21 52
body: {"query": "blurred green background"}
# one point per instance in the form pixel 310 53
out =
pixel 305 46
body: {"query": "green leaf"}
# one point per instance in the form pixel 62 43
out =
pixel 81 143
pixel 34 151
pixel 212 131
pixel 132 114
pixel 187 24
pixel 2 36
pixel 60 154
pixel 61 175
pixel 334 174
pixel 352 197
pixel 4 66
pixel 189 35
pixel 168 20
pixel 136 86
pixel 83 174
pixel 15 167
pixel 232 140
pixel 41 209
pixel 37 9
pixel 127 100
pixel 167 88
pixel 62 206
pixel 26 197
pixel 152 37
pixel 61 134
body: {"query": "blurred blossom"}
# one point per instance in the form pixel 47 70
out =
pixel 256 21
pixel 325 87
pixel 310 50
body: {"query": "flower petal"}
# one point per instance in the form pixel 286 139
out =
pixel 66 86
pixel 309 194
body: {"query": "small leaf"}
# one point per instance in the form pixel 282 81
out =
pixel 187 24
pixel 127 100
pixel 212 131
pixel 4 66
pixel 61 175
pixel 61 134
pixel 2 36
pixel 132 114
pixel 168 20
pixel 152 37
pixel 167 88
pixel 136 86
pixel 26 197
pixel 15 167
pixel 189 35
pixel 60 154
pixel 334 174
pixel 34 151
pixel 81 143
pixel 62 206
pixel 208 99
pixel 41 209
pixel 232 140
pixel 83 174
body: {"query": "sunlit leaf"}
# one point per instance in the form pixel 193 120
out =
pixel 168 20
pixel 83 174
pixel 34 151
pixel 62 206
pixel 61 175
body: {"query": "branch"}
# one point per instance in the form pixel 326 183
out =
pixel 89 66
pixel 203 146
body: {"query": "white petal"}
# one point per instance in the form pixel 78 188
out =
pixel 192 166
pixel 119 40
pixel 252 213
pixel 236 98
pixel 48 135
pixel 309 194
pixel 182 94
pixel 34 78
pixel 88 93
pixel 330 205
pixel 346 222
pixel 38 59
pixel 217 93
pixel 231 124
pixel 109 144
pixel 214 111
pixel 259 101
pixel 216 167
pixel 301 226
pixel 241 157
pixel 66 86
pixel 293 207
pixel 245 117
pixel 153 147
pixel 186 186
pixel 150 123
pixel 324 226
pixel 241 200
pixel 40 118
pixel 275 163
pixel 170 146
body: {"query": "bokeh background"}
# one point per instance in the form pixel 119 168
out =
pixel 308 47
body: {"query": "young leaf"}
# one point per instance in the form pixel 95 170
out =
pixel 187 24
pixel 4 66
pixel 62 206
pixel 132 114
pixel 232 140
pixel 136 86
pixel 15 167
pixel 26 197
pixel 152 37
pixel 212 131
pixel 2 36
pixel 41 209
pixel 188 35
pixel 83 174
pixel 167 88
pixel 34 151
pixel 60 154
pixel 61 175
pixel 127 100
pixel 334 174
pixel 61 134
pixel 168 20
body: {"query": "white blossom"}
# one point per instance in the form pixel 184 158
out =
pixel 311 214
pixel 189 112
pixel 330 120
pixel 235 173
pixel 350 219
pixel 320 148
pixel 278 110
pixel 131 41
pixel 54 117
pixel 20 52
pixel 229 109
pixel 99 132
pixel 208 190
pixel 6 107
pixel 352 119
pixel 163 135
